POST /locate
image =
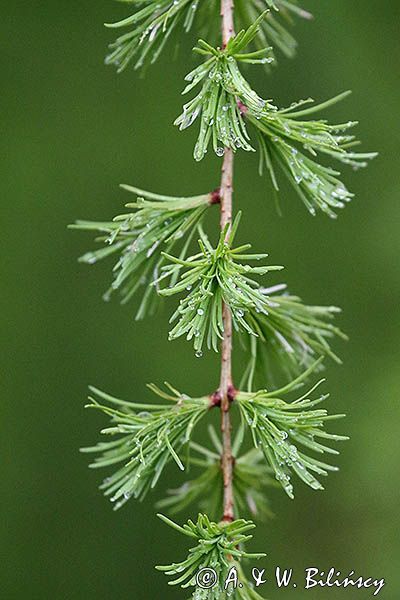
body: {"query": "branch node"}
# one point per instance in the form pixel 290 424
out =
pixel 215 399
pixel 215 196
pixel 231 393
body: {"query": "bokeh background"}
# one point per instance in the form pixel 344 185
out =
pixel 71 131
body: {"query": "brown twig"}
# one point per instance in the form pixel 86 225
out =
pixel 226 387
pixel 228 28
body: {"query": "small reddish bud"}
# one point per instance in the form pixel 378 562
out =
pixel 243 109
pixel 232 391
pixel 215 399
pixel 215 196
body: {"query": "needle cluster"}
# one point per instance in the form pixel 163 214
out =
pixel 148 29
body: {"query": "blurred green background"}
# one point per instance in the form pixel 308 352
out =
pixel 71 131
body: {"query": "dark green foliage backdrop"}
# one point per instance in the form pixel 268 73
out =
pixel 71 130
